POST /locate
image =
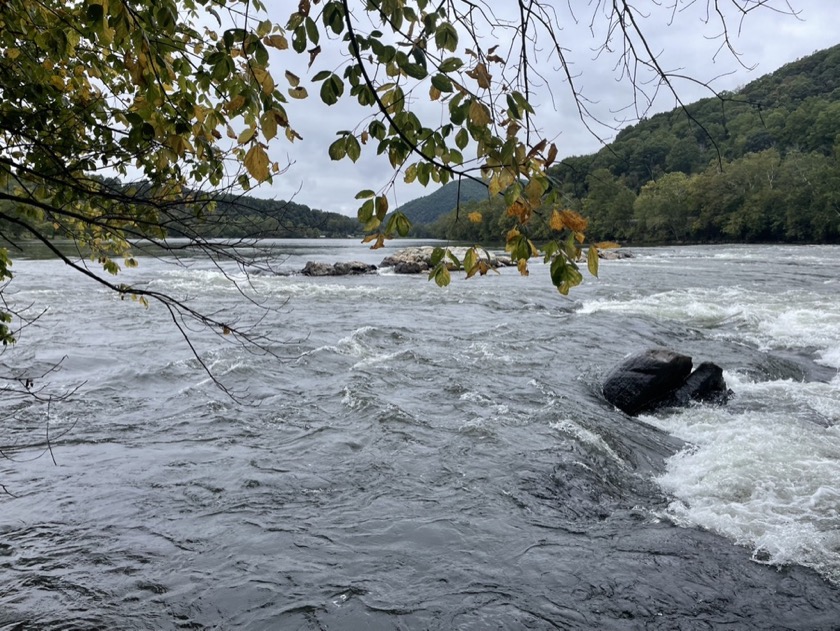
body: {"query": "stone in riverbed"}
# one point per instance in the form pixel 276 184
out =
pixel 659 377
pixel 315 268
pixel 419 259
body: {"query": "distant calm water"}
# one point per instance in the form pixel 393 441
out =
pixel 425 458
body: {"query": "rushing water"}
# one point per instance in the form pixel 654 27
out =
pixel 424 458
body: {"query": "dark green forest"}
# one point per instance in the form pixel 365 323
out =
pixel 219 216
pixel 251 217
pixel 760 164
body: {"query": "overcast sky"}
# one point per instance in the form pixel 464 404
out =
pixel 685 42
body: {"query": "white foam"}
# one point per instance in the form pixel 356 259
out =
pixel 791 319
pixel 767 480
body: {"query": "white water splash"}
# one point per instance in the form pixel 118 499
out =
pixel 768 480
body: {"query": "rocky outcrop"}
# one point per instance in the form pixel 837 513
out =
pixel 315 268
pixel 419 259
pixel 614 254
pixel 659 377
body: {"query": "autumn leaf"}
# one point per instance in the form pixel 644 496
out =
pixel 256 162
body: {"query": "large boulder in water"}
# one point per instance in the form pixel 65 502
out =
pixel 659 377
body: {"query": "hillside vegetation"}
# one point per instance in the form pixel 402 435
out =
pixel 427 209
pixel 758 164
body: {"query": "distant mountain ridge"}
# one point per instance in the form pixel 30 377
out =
pixel 429 208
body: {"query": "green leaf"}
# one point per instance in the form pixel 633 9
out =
pixel 403 225
pixel 446 37
pixel 312 30
pixel 440 274
pixel 450 64
pixel 365 212
pixel 442 83
pixel 365 194
pixel 338 149
pixel 462 138
pixel 353 148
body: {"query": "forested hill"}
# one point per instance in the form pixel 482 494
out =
pixel 757 164
pixel 428 208
pixel 244 216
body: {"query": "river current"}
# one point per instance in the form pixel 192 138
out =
pixel 410 457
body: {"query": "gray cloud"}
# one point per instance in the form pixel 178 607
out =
pixel 685 42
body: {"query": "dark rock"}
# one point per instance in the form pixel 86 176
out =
pixel 353 267
pixel 410 267
pixel 658 378
pixel 642 380
pixel 706 384
pixel 314 268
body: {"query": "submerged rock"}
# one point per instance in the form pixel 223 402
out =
pixel 659 377
pixel 315 268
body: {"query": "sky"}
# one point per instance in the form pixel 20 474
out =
pixel 686 41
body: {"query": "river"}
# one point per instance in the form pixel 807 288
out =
pixel 411 457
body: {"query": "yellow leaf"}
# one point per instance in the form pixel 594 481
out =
pixel 592 260
pixel 256 161
pixel 12 53
pixel 434 93
pixel 264 78
pixel 479 114
pixel 481 75
pixel 573 221
pixel 235 104
pixel 269 125
pixel 276 41
pixel 521 210
pixel 522 266
pixel 556 222
pixel 475 217
pixel 293 79
pixel 298 93
pixel 552 155
pixel 246 135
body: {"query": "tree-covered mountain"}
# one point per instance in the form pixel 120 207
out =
pixel 219 216
pixel 244 216
pixel 758 164
pixel 427 209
